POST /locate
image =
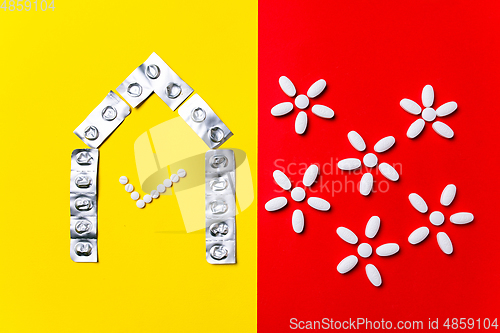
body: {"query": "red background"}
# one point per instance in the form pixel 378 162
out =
pixel 372 54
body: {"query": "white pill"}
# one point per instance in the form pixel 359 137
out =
pixel 287 86
pixel 436 218
pixel 154 194
pixel 316 88
pixel 415 128
pixel 140 204
pixel 318 203
pixel 134 195
pixel 427 96
pixel 365 250
pixel 347 235
pixel 410 106
pixel 429 114
pixel 366 184
pixel 442 129
pixel 370 160
pixel 181 173
pixel 123 180
pixel 418 235
pixel 281 109
pixel 388 171
pixel 372 226
pixel 347 264
pixel 387 249
pixel 462 218
pixel 147 198
pixel 444 243
pixel 418 203
pixel 174 178
pixel 282 180
pixel 322 111
pixel 298 221
pixel 384 144
pixel 301 123
pixel 301 102
pixel 349 164
pixel 298 194
pixel 446 109
pixel 168 183
pixel 310 175
pixel 129 188
pixel 276 204
pixel 373 275
pixel 448 195
pixel 161 188
pixel 356 141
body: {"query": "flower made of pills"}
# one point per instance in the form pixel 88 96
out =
pixel 437 218
pixel 298 194
pixel 365 250
pixel 302 102
pixel 428 114
pixel 370 160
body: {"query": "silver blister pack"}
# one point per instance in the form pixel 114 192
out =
pixel 136 87
pixel 83 205
pixel 103 120
pixel 220 206
pixel 203 120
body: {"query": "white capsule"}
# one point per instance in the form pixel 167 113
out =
pixel 123 180
pixel 318 203
pixel 410 106
pixel 140 204
pixel 347 235
pixel 316 88
pixel 429 114
pixel 301 102
pixel 298 194
pixel 442 129
pixel 134 195
pixel 444 243
pixel 347 264
pixel 322 111
pixel 373 275
pixel 161 188
pixel 446 109
pixel 415 128
pixel 356 141
pixel 168 183
pixel 427 96
pixel 436 218
pixel 372 226
pixel 298 221
pixel 281 109
pixel 388 171
pixel 310 175
pixel 365 250
pixel 418 203
pixel 155 194
pixel 282 180
pixel 287 86
pixel 462 218
pixel 366 184
pixel 370 160
pixel 387 249
pixel 174 178
pixel 276 204
pixel 301 123
pixel 349 164
pixel 448 195
pixel 384 144
pixel 147 198
pixel 129 188
pixel 418 235
pixel 181 173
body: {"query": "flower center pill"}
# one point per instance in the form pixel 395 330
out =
pixel 109 113
pixel 218 252
pixel 153 71
pixel 134 89
pixel 173 90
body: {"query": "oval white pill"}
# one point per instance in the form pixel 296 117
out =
pixel 415 128
pixel 446 109
pixel 310 175
pixel 418 235
pixel 301 123
pixel 442 129
pixel 436 218
pixel 134 195
pixel 370 160
pixel 140 204
pixel 388 171
pixel 318 203
pixel 448 195
pixel 287 86
pixel 429 114
pixel 427 96
pixel 282 180
pixel 161 188
pixel 373 275
pixel 298 221
pixel 154 194
pixel 418 203
pixel 301 102
pixel 167 182
pixel 129 188
pixel 372 226
pixel 349 164
pixel 365 250
pixel 384 144
pixel 347 264
pixel 366 184
pixel 410 106
pixel 181 173
pixel 462 218
pixel 174 178
pixel 322 111
pixel 298 194
pixel 123 180
pixel 316 88
pixel 281 109
pixel 147 198
pixel 356 141
pixel 444 243
pixel 276 204
pixel 387 249
pixel 347 235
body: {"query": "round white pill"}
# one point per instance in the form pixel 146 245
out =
pixel 167 182
pixel 123 180
pixel 437 218
pixel 174 178
pixel 154 194
pixel 302 102
pixel 161 188
pixel 365 250
pixel 181 173
pixel 370 160
pixel 129 188
pixel 140 204
pixel 147 198
pixel 429 114
pixel 298 194
pixel 134 195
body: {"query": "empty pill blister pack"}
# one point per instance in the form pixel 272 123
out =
pixel 83 205
pixel 220 203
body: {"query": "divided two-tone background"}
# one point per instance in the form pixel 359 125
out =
pixel 152 275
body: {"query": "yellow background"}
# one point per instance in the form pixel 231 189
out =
pixel 56 67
